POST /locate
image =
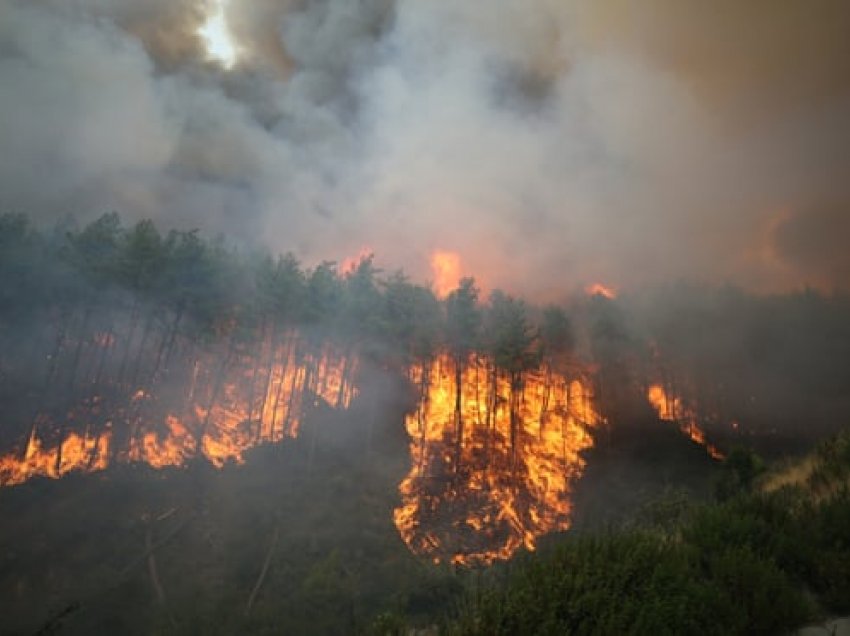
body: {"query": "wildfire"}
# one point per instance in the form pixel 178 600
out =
pixel 497 474
pixel 598 289
pixel 349 265
pixel 219 425
pixel 671 409
pixel 87 453
pixel 445 267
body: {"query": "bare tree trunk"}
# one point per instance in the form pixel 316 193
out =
pixel 134 319
pixel 458 411
pixel 287 423
pixel 287 350
pixel 478 394
pixel 343 380
pixel 273 346
pixel 219 380
pixel 78 351
pixel 72 378
pixel 52 372
pixel 262 577
pixel 258 359
pixel 167 346
pixel 424 387
pixel 155 582
pixel 140 354
pixel 104 354
pixel 547 394
pixel 492 386
pixel 516 394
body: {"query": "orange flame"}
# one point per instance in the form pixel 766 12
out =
pixel 598 289
pixel 497 475
pixel 75 453
pixel 671 409
pixel 349 265
pixel 445 267
pixel 220 427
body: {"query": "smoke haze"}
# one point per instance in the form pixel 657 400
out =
pixel 548 143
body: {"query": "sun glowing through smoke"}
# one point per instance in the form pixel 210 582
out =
pixel 445 266
pixel 217 36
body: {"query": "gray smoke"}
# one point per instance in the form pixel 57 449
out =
pixel 550 143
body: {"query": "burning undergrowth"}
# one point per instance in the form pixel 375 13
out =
pixel 123 346
pixel 228 407
pixel 492 461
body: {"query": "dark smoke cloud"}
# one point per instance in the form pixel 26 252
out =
pixel 549 143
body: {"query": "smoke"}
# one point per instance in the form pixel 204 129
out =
pixel 548 143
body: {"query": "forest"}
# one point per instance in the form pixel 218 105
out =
pixel 246 442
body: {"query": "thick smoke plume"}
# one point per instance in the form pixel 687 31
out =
pixel 548 143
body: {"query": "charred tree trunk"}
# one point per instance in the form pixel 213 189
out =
pixel 50 376
pixel 167 345
pixel 134 319
pixel 273 347
pixel 424 384
pixel 544 404
pixel 287 353
pixel 347 363
pixel 217 383
pixel 258 360
pixel 142 350
pixel 106 347
pixel 287 423
pixel 262 577
pixel 72 377
pixel 78 351
pixel 159 592
pixel 513 418
pixel 458 411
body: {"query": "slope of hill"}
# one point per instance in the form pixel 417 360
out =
pixel 770 554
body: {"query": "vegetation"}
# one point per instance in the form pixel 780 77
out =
pixel 109 310
pixel 301 540
pixel 754 563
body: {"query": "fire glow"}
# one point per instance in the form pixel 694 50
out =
pixel 222 421
pixel 498 474
pixel 671 409
pixel 445 267
pixel 484 481
pixel 598 289
pixel 350 265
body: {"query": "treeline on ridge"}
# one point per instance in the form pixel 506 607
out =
pixel 96 314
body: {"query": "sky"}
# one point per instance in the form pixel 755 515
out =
pixel 547 144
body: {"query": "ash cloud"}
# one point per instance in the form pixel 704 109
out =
pixel 549 143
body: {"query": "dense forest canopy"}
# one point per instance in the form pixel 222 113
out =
pixel 112 303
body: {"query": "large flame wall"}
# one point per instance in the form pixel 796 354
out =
pixel 498 473
pixel 484 481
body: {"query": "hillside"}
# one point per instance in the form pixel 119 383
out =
pixel 768 555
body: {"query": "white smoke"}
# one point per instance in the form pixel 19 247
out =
pixel 549 143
